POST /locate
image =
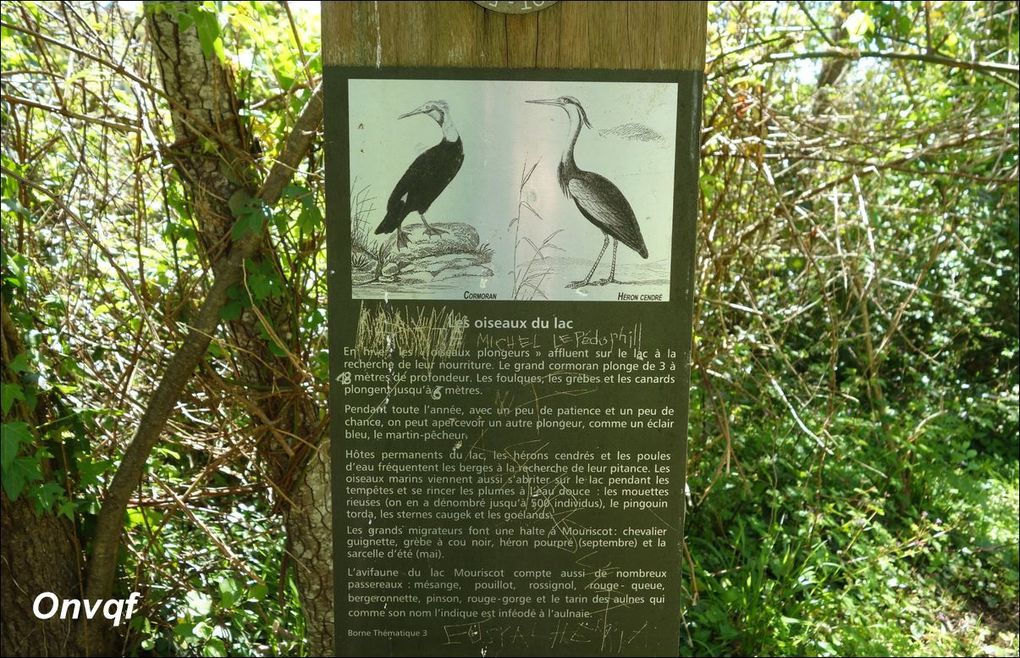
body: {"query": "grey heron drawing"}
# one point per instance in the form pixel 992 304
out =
pixel 596 197
pixel 427 177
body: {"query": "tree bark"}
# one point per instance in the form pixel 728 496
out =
pixel 204 113
pixel 290 424
pixel 39 555
pixel 832 69
pixel 309 523
pixel 214 155
pixel 40 552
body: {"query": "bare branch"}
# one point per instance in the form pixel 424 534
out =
pixel 63 111
pixel 811 19
pixel 941 60
pixel 110 522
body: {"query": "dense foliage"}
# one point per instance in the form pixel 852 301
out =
pixel 854 435
pixel 854 453
pixel 103 269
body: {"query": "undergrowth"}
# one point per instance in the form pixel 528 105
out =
pixel 799 551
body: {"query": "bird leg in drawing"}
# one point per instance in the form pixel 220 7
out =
pixel 591 272
pixel 427 177
pixel 401 238
pixel 429 230
pixel 612 269
pixel 596 197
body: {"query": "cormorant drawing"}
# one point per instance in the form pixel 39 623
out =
pixel 601 202
pixel 427 176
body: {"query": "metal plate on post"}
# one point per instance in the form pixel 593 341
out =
pixel 515 6
pixel 509 363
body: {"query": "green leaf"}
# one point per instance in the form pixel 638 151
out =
pixel 19 363
pixel 232 310
pixel 185 630
pixel 12 435
pixel 46 495
pixel 293 191
pixel 858 25
pixel 89 471
pixel 141 516
pixel 8 394
pixel 215 647
pixel 13 484
pixel 309 219
pixel 184 21
pixel 285 68
pixel 228 591
pixel 257 592
pixel 250 213
pixel 199 604
pixel 207 25
pixel 263 285
pixel 135 517
pixel 23 471
pixel 66 509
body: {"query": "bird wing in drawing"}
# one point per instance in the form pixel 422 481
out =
pixel 423 181
pixel 604 205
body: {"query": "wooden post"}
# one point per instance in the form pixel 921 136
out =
pixel 567 36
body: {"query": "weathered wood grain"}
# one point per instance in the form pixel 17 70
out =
pixel 570 34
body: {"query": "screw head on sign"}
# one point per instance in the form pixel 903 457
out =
pixel 514 6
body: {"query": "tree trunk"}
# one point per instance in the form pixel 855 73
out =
pixel 289 422
pixel 31 541
pixel 833 68
pixel 41 552
pixel 309 523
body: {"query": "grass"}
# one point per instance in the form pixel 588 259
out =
pixel 370 255
pixel 529 270
pixel 362 207
pixel 801 553
pixel 409 331
pixel 367 255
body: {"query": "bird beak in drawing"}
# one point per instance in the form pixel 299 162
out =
pixel 420 110
pixel 564 102
pixel 434 109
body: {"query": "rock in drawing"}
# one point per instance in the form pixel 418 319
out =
pixel 601 202
pixel 427 177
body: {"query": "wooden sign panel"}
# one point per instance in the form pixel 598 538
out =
pixel 510 267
